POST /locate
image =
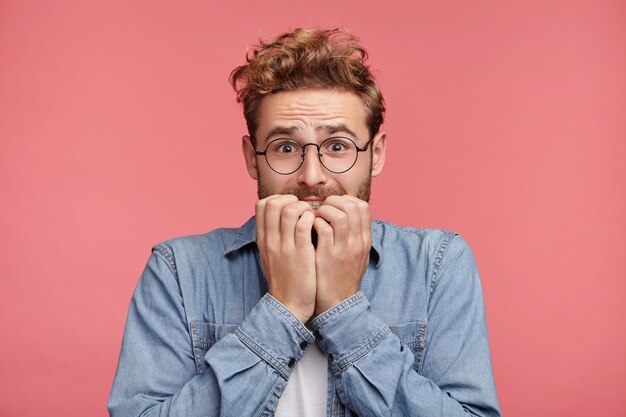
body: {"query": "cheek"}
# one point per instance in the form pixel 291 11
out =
pixel 351 182
pixel 273 182
pixel 360 171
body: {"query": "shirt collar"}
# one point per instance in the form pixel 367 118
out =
pixel 246 235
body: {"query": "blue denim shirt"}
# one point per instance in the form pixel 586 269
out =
pixel 203 338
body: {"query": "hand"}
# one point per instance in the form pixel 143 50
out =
pixel 344 240
pixel 283 227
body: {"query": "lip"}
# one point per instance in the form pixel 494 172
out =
pixel 314 201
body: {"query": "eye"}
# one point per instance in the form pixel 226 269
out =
pixel 285 147
pixel 337 146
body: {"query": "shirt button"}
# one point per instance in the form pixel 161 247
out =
pixel 303 345
pixel 291 362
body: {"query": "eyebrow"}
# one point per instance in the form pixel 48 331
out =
pixel 338 128
pixel 282 130
pixel 328 129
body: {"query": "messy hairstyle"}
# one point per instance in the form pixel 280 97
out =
pixel 307 58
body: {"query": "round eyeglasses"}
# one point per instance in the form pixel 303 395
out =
pixel 336 154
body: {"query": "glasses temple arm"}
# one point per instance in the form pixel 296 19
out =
pixel 364 148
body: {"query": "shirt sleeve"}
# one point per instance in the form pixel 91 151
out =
pixel 245 372
pixel 374 372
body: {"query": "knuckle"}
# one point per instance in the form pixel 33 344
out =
pixel 302 228
pixel 341 217
pixel 351 207
pixel 304 205
pixel 272 203
pixel 291 211
pixel 271 247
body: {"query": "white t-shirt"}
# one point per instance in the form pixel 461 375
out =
pixel 306 392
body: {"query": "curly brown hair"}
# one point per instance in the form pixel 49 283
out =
pixel 307 58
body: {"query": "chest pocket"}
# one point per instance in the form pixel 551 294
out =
pixel 412 335
pixel 203 336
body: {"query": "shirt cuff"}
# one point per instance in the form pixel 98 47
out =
pixel 275 335
pixel 348 331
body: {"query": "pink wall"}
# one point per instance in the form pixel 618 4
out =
pixel 506 122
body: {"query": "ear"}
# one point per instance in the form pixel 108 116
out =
pixel 249 154
pixel 379 146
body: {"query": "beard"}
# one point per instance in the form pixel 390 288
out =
pixel 363 192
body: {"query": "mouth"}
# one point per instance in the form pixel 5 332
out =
pixel 315 202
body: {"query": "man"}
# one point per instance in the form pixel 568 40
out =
pixel 310 308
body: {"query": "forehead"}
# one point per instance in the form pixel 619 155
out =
pixel 306 111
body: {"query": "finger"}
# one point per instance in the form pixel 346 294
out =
pixel 272 218
pixel 348 205
pixel 325 234
pixel 339 222
pixel 366 219
pixel 304 225
pixel 259 209
pixel 290 215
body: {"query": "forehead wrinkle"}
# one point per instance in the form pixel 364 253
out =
pixel 310 108
pixel 300 120
pixel 311 115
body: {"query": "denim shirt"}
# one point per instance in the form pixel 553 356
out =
pixel 203 337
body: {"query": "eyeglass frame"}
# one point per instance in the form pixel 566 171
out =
pixel 319 155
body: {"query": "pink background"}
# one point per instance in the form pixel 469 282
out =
pixel 506 122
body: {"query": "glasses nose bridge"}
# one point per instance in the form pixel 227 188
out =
pixel 317 147
pixel 318 150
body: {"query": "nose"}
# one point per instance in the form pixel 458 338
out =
pixel 312 172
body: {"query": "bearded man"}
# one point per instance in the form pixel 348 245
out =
pixel 311 308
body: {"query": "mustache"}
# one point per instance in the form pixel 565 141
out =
pixel 315 192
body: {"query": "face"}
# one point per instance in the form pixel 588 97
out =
pixel 311 116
